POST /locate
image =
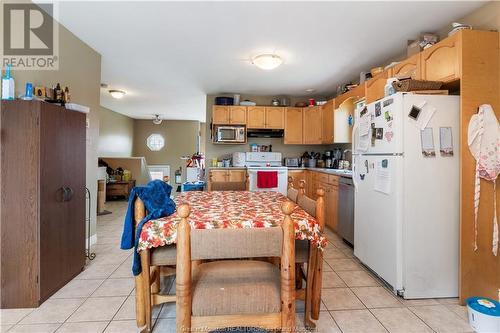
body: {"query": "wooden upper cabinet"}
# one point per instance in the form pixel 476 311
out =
pixel 356 93
pixel 441 62
pixel 375 86
pixel 256 117
pixel 312 126
pixel 238 115
pixel 410 66
pixel 220 114
pixel 293 126
pixel 275 117
pixel 327 115
pixel 342 129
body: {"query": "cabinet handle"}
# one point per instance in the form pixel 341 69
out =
pixel 67 193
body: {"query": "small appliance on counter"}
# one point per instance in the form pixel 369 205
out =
pixel 292 162
pixel 328 159
pixel 239 159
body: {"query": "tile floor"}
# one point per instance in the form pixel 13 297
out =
pixel 101 298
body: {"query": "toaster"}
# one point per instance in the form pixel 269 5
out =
pixel 292 162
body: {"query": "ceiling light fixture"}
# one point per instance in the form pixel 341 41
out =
pixel 117 93
pixel 157 120
pixel 267 61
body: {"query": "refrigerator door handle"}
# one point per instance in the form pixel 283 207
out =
pixel 353 136
pixel 354 176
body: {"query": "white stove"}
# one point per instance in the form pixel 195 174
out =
pixel 266 162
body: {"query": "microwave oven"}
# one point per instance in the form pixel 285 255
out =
pixel 230 134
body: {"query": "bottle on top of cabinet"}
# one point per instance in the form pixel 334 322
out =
pixel 8 85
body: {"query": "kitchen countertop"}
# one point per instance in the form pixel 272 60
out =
pixel 337 172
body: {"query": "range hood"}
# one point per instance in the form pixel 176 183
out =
pixel 265 133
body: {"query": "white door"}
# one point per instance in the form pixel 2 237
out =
pixel 431 204
pixel 377 215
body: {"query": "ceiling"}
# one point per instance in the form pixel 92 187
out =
pixel 168 55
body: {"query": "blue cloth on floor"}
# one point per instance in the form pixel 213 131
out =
pixel 156 198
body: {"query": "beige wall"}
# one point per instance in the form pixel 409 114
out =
pixel 116 134
pixel 181 138
pixel 221 151
pixel 486 17
pixel 136 165
pixel 80 70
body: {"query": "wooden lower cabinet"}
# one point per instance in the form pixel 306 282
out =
pixel 331 206
pixel 239 176
pixel 297 176
pixel 226 180
pixel 329 183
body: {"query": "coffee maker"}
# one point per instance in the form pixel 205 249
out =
pixel 328 159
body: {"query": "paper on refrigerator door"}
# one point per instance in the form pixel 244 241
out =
pixel 364 133
pixel 421 114
pixel 382 177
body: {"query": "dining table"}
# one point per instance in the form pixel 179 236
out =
pixel 234 209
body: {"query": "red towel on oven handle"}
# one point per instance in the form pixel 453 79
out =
pixel 267 179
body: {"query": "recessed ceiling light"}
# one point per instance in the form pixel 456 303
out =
pixel 267 61
pixel 310 90
pixel 117 93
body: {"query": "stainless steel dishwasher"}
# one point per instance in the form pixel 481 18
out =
pixel 345 209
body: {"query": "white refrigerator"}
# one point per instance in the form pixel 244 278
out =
pixel 406 175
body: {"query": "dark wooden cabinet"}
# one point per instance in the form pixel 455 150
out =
pixel 42 225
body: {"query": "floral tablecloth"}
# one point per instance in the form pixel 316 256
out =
pixel 230 209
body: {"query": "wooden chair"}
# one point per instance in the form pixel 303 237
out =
pixel 155 263
pixel 292 193
pixel 305 254
pixel 235 293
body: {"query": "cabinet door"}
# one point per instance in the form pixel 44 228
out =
pixel 275 117
pixel 220 114
pixel 375 86
pixel 218 176
pixel 342 131
pixel 238 176
pixel 441 62
pixel 327 114
pixel 331 198
pixel 312 127
pixel 62 219
pixel 256 117
pixel 410 66
pixel 297 176
pixel 238 115
pixel 293 126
